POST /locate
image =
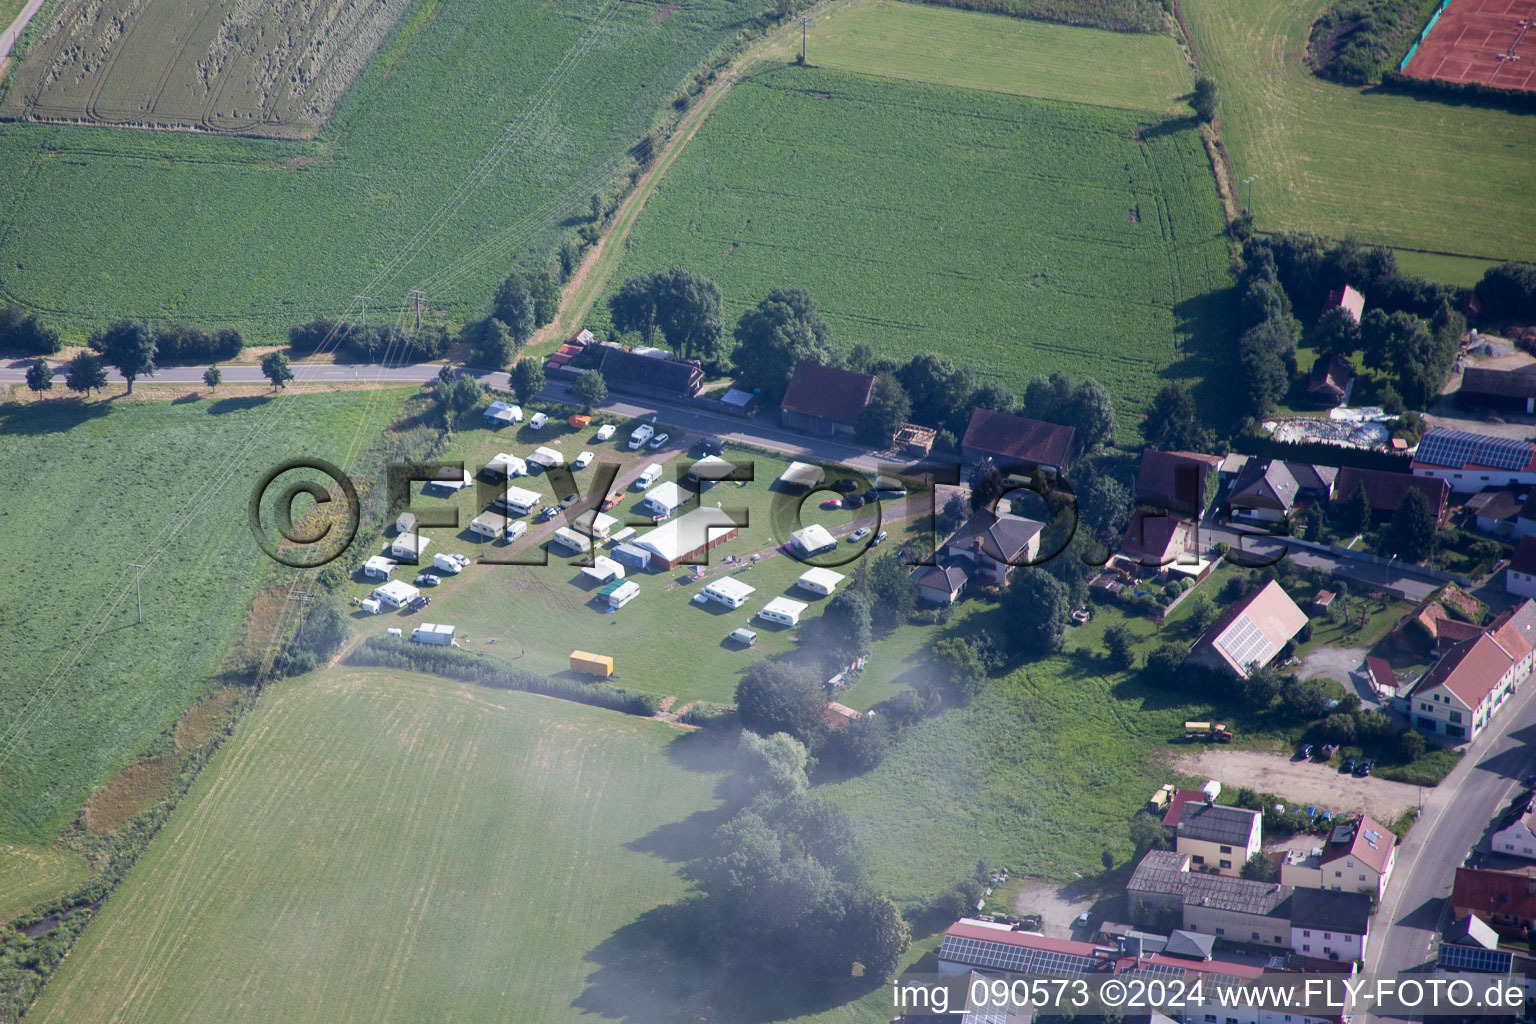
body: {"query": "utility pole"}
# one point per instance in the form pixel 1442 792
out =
pixel 805 23
pixel 1249 182
pixel 137 592
pixel 303 596
pixel 420 298
pixel 364 300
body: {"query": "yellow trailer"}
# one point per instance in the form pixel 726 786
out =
pixel 592 664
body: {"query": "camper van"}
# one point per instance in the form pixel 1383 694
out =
pixel 640 435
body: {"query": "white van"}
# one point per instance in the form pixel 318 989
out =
pixel 649 475
pixel 538 421
pixel 640 435
pixel 515 529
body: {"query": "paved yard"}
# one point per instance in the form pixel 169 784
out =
pixel 1056 908
pixel 1302 782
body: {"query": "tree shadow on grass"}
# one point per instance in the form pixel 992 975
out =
pixel 678 842
pixel 1208 322
pixel 703 750
pixel 49 417
pixel 240 404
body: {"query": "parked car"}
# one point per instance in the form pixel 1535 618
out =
pixel 854 501
pixel 712 446
pixel 1348 765
pixel 583 460
pixel 578 420
pixel 659 440
pixel 538 421
pixel 614 497
pixel 569 500
pixel 605 431
pixel 879 539
pixel 858 535
pixel 418 602
pixel 1363 768
pixel 845 486
pixel 1305 751
pixel 426 579
pixel 832 504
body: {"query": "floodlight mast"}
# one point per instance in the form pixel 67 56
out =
pixel 1249 182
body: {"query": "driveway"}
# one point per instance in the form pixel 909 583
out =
pixel 1341 664
pixel 1303 783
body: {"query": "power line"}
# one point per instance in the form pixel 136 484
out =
pixel 138 593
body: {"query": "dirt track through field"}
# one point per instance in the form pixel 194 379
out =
pixel 1306 783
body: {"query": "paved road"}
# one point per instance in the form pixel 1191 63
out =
pixel 12 31
pixel 1456 817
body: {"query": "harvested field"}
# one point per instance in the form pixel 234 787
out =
pixel 1301 782
pixel 1489 42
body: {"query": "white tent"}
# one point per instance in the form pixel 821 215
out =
pixel 802 474
pixel 395 593
pixel 729 591
pixel 686 534
pixel 501 413
pixel 546 457
pixel 813 540
pixel 710 470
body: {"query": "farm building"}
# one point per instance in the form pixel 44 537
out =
pixel 450 478
pixel 1330 381
pixel 595 524
pixel 708 471
pixel 592 664
pixel 395 593
pixel 604 570
pixel 783 611
pixel 546 457
pixel 812 540
pixel 408 547
pixel 1385 491
pixel 819 581
pixel 405 522
pixel 633 556
pixel 687 538
pixel 825 401
pixel 619 593
pixel 1012 441
pixel 502 414
pixel 1472 462
pixel 1180 482
pixel 505 466
pixel 569 539
pixel 378 567
pixel 1346 298
pixel 1498 389
pixel 519 501
pixel 736 402
pixel 433 633
pixel 651 376
pixel 489 524
pixel 665 499
pixel 729 591
pixel 1251 632
pixel 1497 510
pixel 912 439
pixel 800 476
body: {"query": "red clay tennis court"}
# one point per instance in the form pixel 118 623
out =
pixel 1491 42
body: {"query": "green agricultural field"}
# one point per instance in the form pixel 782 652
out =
pixel 384 847
pixel 1388 169
pixel 1016 235
pixel 476 137
pixel 662 642
pixel 87 489
pixel 994 52
pixel 30 874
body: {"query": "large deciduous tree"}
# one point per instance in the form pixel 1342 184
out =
pixel 129 345
pixel 774 335
pixel 682 307
pixel 86 373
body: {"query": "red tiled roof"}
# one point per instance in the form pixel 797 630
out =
pixel 1019 439
pixel 1159 478
pixel 1387 490
pixel 1472 668
pixel 1500 894
pixel 828 393
pixel 1155 539
pixel 1270 611
pixel 1354 839
pixel 1176 805
pixel 1346 297
pixel 1025 940
pixel 1382 672
pixel 1330 377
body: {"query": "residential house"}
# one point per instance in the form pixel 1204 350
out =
pixel 1471 462
pixel 651 376
pixel 824 400
pixel 1462 690
pixel 1268 491
pixel 1520 577
pixel 1498 389
pixel 1250 632
pixel 1238 910
pixel 1496 511
pixel 1332 925
pixel 1517 836
pixel 1386 491
pixel 1013 442
pixel 1217 837
pixel 993 545
pixel 1346 298
pixel 1357 856
pixel 1330 381
pixel 1156 539
pixel 1178 482
pixel 940 584
pixel 1506 900
pixel 1156 888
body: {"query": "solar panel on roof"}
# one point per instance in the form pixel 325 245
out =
pixel 979 953
pixel 1471 958
pixel 1245 643
pixel 1459 447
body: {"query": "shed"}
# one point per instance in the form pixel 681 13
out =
pixel 729 591
pixel 619 593
pixel 408 547
pixel 505 466
pixel 395 593
pixel 433 633
pixel 665 498
pixel 489 524
pixel 635 557
pixel 378 567
pixel 603 569
pixel 812 540
pixel 569 539
pixel 820 581
pixel 783 611
pixel 592 664
pixel 546 457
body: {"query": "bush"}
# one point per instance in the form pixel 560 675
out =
pixel 22 332
pixel 184 343
pixel 453 663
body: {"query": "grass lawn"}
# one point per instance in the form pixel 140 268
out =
pixel 382 846
pixel 31 874
pixel 1054 235
pixel 1458 270
pixel 663 643
pixel 260 234
pixel 88 488
pixel 948 46
pixel 1389 169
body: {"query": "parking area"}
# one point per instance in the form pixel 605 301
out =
pixel 1306 783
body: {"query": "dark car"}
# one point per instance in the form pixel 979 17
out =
pixel 853 501
pixel 419 602
pixel 1363 768
pixel 712 446
pixel 1305 751
pixel 428 579
pixel 1348 765
pixel 845 486
pixel 871 495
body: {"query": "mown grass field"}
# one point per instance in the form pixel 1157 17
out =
pixel 998 53
pixel 1337 160
pixel 384 846
pixel 87 489
pixel 262 234
pixel 1016 235
pixel 30 874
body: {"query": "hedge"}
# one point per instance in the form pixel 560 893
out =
pixel 454 663
pixel 1472 94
